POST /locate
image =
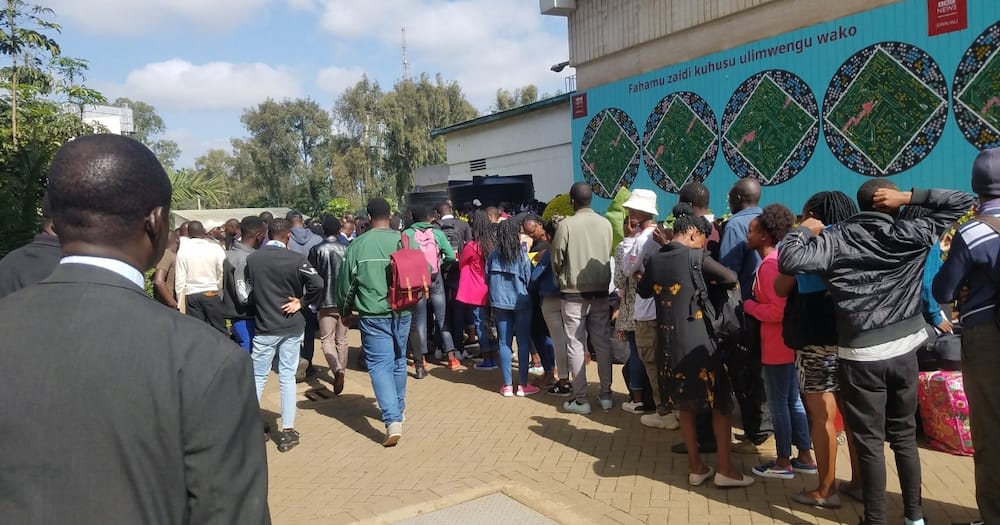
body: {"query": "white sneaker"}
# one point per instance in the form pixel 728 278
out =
pixel 667 421
pixel 606 403
pixel 579 408
pixel 633 407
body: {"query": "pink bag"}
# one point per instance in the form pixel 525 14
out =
pixel 945 412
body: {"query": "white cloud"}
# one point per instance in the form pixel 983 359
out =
pixel 334 80
pixel 132 17
pixel 180 85
pixel 483 44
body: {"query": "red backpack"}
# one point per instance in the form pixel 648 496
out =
pixel 410 277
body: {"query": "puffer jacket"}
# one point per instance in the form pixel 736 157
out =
pixel 326 258
pixel 873 266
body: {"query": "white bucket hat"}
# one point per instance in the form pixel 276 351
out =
pixel 642 200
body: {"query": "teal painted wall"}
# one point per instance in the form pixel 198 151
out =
pixel 881 104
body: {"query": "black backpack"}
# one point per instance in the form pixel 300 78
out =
pixel 450 230
pixel 722 307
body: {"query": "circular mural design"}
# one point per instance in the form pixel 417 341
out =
pixel 770 127
pixel 609 152
pixel 885 109
pixel 974 94
pixel 681 141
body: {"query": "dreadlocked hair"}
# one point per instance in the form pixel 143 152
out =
pixel 482 232
pixel 685 219
pixel 508 245
pixel 831 207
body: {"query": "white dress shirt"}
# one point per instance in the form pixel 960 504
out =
pixel 199 267
pixel 121 268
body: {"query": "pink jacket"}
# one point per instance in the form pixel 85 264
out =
pixel 472 287
pixel 769 309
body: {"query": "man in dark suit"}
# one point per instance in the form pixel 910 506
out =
pixel 137 414
pixel 32 262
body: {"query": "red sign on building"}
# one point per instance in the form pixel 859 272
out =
pixel 945 16
pixel 580 105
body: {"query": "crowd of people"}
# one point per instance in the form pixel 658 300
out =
pixel 781 320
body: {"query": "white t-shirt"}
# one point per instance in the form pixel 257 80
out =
pixel 199 267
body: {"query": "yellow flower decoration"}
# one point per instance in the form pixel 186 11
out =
pixel 657 289
pixel 698 315
pixel 675 288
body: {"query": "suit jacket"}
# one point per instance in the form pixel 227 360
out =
pixel 117 409
pixel 29 264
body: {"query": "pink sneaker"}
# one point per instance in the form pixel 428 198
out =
pixel 527 390
pixel 507 391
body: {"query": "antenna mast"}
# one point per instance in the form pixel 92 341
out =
pixel 406 62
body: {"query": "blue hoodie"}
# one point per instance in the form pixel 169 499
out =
pixel 302 240
pixel 508 283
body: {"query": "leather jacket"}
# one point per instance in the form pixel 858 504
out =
pixel 326 257
pixel 874 265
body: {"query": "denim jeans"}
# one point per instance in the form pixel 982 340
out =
pixel 309 339
pixel 287 348
pixel 479 320
pixel 787 413
pixel 511 323
pixel 636 370
pixel 434 305
pixel 243 331
pixel 543 347
pixel 383 340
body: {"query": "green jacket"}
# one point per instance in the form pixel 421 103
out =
pixel 581 253
pixel 363 280
pixel 444 245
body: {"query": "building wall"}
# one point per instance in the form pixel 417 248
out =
pixel 613 39
pixel 537 143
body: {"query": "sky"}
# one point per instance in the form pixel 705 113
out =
pixel 201 62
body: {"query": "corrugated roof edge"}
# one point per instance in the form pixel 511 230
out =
pixel 500 115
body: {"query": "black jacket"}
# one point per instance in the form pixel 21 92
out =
pixel 273 275
pixel 874 266
pixel 234 274
pixel 326 258
pixel 29 264
pixel 145 415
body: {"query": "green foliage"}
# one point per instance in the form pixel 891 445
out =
pixel 339 206
pixel 616 215
pixel 519 97
pixel 192 189
pixel 559 205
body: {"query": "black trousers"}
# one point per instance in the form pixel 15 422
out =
pixel 207 306
pixel 308 348
pixel 880 402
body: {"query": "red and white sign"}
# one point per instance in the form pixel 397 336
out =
pixel 945 16
pixel 580 105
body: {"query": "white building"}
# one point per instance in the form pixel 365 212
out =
pixel 115 119
pixel 531 140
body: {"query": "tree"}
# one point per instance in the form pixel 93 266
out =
pixel 411 111
pixel 193 189
pixel 148 126
pixel 519 97
pixel 289 153
pixel 360 146
pixel 22 39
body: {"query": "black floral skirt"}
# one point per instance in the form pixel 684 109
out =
pixel 699 382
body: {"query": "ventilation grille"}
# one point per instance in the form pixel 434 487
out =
pixel 477 165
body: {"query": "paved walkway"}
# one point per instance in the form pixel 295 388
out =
pixel 463 441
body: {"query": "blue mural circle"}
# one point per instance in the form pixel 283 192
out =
pixel 975 100
pixel 680 141
pixel 770 127
pixel 610 152
pixel 885 109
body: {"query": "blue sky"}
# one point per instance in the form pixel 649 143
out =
pixel 200 62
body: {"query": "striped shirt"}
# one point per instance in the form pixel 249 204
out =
pixel 973 262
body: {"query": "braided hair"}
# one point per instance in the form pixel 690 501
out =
pixel 508 245
pixel 482 232
pixel 685 219
pixel 831 207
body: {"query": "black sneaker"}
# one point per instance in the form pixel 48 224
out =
pixel 561 389
pixel 287 440
pixel 421 372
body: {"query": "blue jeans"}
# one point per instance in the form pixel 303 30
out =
pixel 383 340
pixel 243 330
pixel 287 348
pixel 511 323
pixel 546 353
pixel 787 413
pixel 479 319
